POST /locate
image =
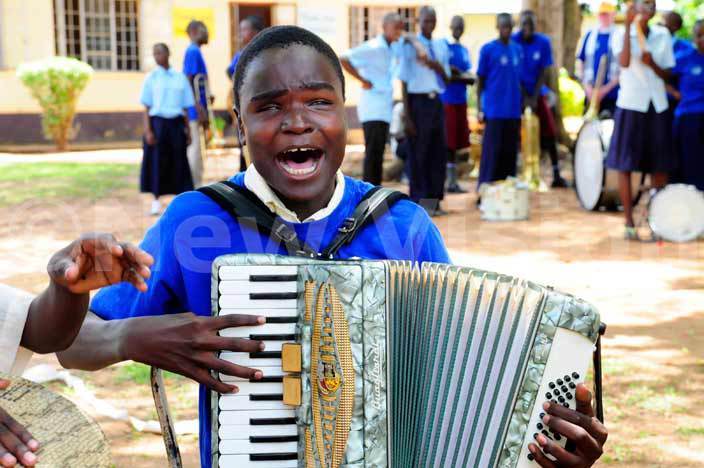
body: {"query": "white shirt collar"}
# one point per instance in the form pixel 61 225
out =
pixel 256 184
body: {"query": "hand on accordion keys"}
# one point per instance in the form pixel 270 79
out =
pixel 586 433
pixel 188 345
pixel 16 443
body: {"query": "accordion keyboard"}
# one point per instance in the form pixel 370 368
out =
pixel 256 428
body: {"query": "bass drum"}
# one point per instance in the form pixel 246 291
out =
pixel 676 213
pixel 596 186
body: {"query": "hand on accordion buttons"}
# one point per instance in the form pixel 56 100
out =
pixel 16 443
pixel 189 345
pixel 579 426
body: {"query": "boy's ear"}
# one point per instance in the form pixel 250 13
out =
pixel 241 135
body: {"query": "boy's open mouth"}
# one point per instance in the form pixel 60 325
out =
pixel 300 161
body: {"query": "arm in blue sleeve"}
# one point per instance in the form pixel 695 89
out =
pixel 147 96
pixel 188 100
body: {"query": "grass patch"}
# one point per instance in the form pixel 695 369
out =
pixel 46 181
pixel 690 431
pixel 140 374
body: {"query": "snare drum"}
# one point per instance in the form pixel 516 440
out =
pixel 596 186
pixel 676 213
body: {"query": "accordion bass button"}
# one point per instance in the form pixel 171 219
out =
pixel 292 390
pixel 291 357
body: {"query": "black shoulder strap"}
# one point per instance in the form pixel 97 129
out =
pixel 244 206
pixel 375 203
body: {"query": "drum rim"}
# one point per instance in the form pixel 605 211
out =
pixel 600 199
pixel 663 232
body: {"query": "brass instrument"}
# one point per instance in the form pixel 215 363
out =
pixel 530 151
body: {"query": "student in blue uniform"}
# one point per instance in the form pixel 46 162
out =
pixel 673 22
pixel 249 27
pixel 194 65
pixel 289 95
pixel 422 82
pixel 166 96
pixel 371 63
pixel 642 138
pixel 537 60
pixel 499 103
pixel 689 116
pixel 596 44
pixel 454 100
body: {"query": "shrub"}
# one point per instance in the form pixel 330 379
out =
pixel 56 83
pixel 571 95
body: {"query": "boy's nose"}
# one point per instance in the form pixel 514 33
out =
pixel 296 122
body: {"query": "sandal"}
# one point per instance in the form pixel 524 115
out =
pixel 631 234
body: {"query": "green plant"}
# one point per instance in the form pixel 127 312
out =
pixel 219 124
pixel 691 11
pixel 571 95
pixel 56 83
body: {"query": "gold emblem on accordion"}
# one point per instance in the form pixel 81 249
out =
pixel 330 381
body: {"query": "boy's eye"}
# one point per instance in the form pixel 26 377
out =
pixel 268 107
pixel 320 102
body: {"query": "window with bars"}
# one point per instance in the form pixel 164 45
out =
pixel 365 22
pixel 103 33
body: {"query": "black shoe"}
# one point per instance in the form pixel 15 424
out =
pixel 439 212
pixel 455 188
pixel 559 182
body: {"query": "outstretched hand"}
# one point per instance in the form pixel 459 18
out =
pixel 16 443
pixel 579 426
pixel 96 260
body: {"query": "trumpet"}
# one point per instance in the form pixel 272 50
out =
pixel 530 152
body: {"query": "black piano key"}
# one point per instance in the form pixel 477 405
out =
pixel 270 278
pixel 267 397
pixel 270 439
pixel 268 379
pixel 273 296
pixel 271 421
pixel 290 337
pixel 281 319
pixel 273 456
pixel 265 355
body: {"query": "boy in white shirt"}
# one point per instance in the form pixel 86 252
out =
pixel 642 139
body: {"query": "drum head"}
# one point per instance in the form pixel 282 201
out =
pixel 589 164
pixel 67 436
pixel 676 213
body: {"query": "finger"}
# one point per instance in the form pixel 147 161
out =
pixel 19 430
pixel 203 377
pixel 16 447
pixel 4 383
pixel 584 400
pixel 539 457
pixel 236 320
pixel 209 361
pixel 131 276
pixel 592 425
pixel 563 457
pixel 99 243
pixel 137 256
pixel 6 458
pixel 583 440
pixel 242 345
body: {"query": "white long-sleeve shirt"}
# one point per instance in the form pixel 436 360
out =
pixel 14 306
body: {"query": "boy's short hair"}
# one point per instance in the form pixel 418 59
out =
pixel 282 37
pixel 193 25
pixel 163 46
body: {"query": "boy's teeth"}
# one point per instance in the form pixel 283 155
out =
pixel 300 171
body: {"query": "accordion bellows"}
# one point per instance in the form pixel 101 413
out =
pixel 405 365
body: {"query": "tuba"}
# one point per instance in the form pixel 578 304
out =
pixel 530 151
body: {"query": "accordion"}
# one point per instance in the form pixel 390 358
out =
pixel 392 364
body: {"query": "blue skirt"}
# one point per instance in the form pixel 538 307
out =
pixel 642 142
pixel 165 167
pixel 689 142
pixel 499 149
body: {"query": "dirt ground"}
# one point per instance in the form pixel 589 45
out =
pixel 650 295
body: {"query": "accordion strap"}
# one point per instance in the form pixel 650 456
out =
pixel 242 205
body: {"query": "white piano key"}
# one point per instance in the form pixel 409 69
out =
pixel 243 272
pixel 244 432
pixel 243 461
pixel 274 371
pixel 242 402
pixel 236 447
pixel 242 417
pixel 247 287
pixel 244 302
pixel 243 359
pixel 273 345
pixel 290 312
pixel 273 328
pixel 257 388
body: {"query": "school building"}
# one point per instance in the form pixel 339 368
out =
pixel 116 38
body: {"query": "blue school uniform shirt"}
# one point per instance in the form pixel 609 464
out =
pixel 166 93
pixel 602 48
pixel 194 230
pixel 680 45
pixel 689 69
pixel 194 64
pixel 420 79
pixel 537 55
pixel 456 93
pixel 500 70
pixel 375 60
pixel 233 65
